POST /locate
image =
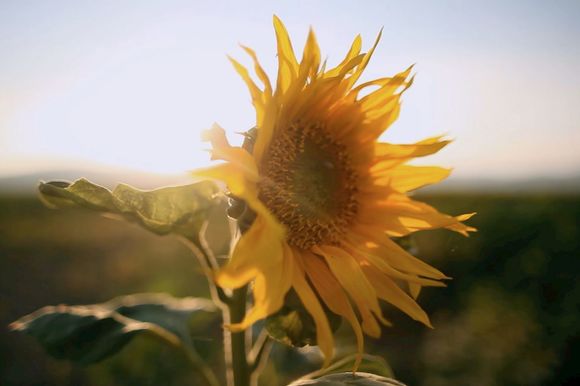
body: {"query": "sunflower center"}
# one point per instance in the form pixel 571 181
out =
pixel 309 185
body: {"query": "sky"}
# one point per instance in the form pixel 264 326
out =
pixel 132 84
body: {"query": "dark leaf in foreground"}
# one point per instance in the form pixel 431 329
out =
pixel 369 364
pixel 89 333
pixel 348 378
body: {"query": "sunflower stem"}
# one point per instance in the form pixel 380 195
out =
pixel 239 372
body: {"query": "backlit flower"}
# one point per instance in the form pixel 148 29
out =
pixel 327 195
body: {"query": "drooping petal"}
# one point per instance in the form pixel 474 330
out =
pixel 392 293
pixel 415 216
pixel 324 336
pixel 330 291
pixel 405 178
pixel 256 252
pixel 270 285
pixel 370 256
pixel 388 155
pixel 372 240
pixel 349 274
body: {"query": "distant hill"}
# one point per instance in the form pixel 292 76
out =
pixel 567 185
pixel 27 183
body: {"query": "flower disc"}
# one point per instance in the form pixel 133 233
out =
pixel 309 185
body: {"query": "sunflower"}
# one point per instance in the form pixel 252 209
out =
pixel 327 195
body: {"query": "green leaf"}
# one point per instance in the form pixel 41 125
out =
pixel 179 209
pixel 348 378
pixel 89 333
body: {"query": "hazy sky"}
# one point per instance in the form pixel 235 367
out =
pixel 133 83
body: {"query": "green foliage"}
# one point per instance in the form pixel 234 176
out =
pixel 348 378
pixel 512 304
pixel 181 209
pixel 87 334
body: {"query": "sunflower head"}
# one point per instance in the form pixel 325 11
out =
pixel 326 196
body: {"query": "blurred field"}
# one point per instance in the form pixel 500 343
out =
pixel 510 316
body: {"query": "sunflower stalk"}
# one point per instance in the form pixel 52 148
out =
pixel 239 373
pixel 233 306
pixel 241 369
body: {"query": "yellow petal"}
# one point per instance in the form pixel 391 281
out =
pixel 287 63
pixel 260 72
pixel 242 185
pixel 255 252
pixel 371 256
pixel 271 284
pixel 255 92
pixel 349 274
pixel 388 155
pixel 332 294
pixel 324 336
pixel 359 70
pixel 265 131
pixel 379 97
pixel 375 82
pixel 374 216
pixel 374 241
pixel 267 112
pixel 297 92
pixel 381 119
pixel 460 227
pixel 414 290
pixel 415 215
pixel 405 178
pixel 390 292
pixel 238 183
pixel 349 66
pixel 353 52
pixel 311 57
pixel 238 157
